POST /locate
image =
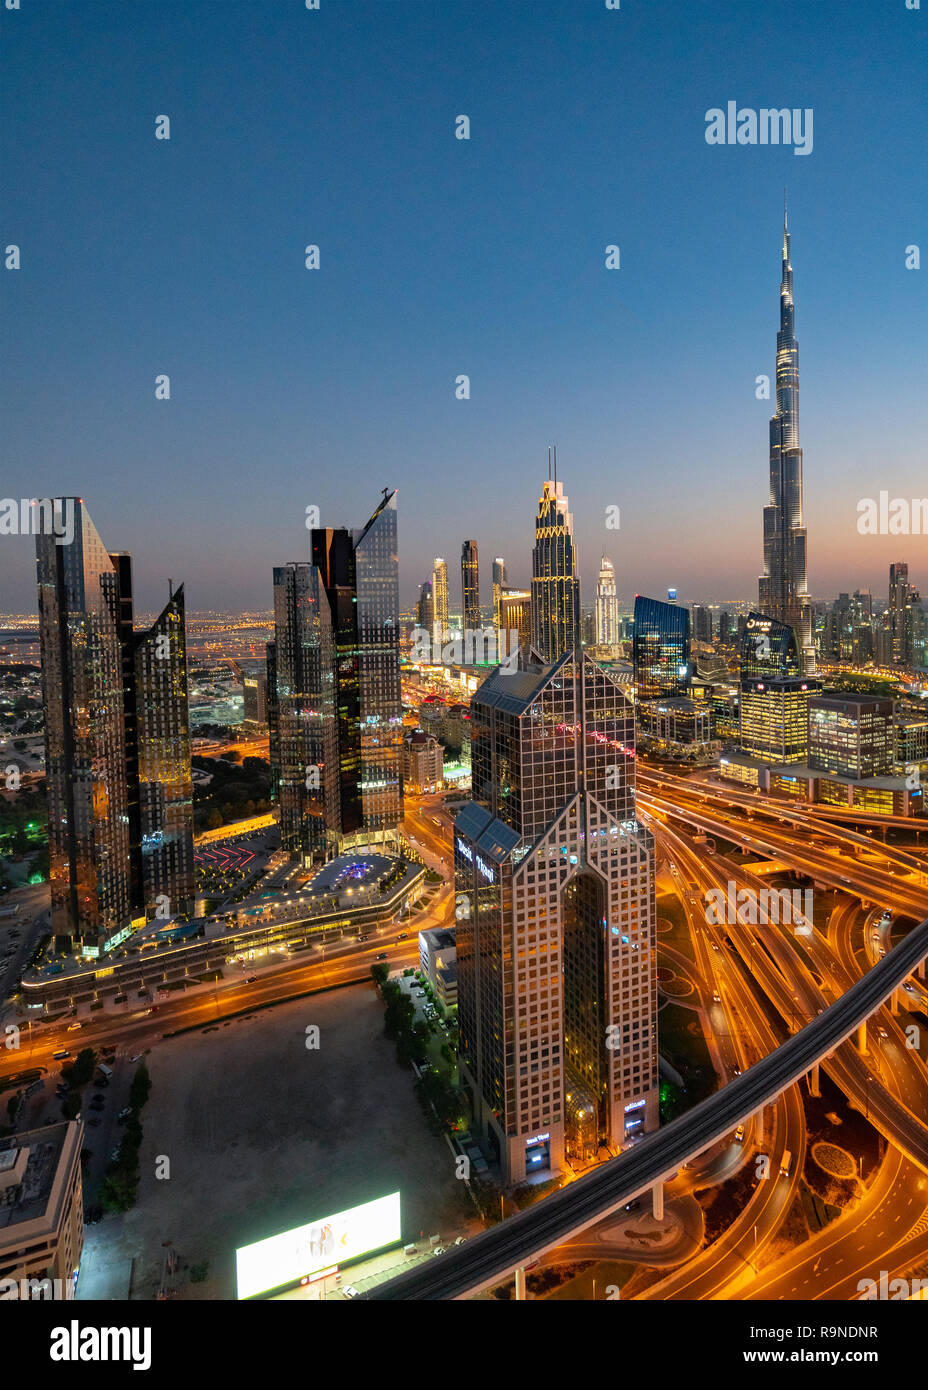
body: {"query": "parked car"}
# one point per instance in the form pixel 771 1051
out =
pixel 124 1113
pixel 350 1291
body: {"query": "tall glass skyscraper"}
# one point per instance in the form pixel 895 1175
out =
pixel 117 751
pixel 358 579
pixel 470 587
pixel 556 942
pixel 301 719
pixel 555 585
pixel 783 590
pixel 661 649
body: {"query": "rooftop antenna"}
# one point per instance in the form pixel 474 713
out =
pixel 555 468
pixel 549 463
pixel 170 588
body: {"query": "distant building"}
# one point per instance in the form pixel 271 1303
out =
pixel 555 583
pixel 702 624
pixel 440 622
pixel 253 675
pixel 423 760
pixel 426 609
pixel 515 615
pixel 499 583
pixel 41 1212
pixel 470 587
pixel 606 612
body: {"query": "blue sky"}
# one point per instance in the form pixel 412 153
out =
pixel 292 388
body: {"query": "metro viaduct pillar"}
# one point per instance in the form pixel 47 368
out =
pixel 520 1284
pixel 657 1201
pixel 814 1088
pixel 862 1038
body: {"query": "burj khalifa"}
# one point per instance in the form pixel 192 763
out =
pixel 783 590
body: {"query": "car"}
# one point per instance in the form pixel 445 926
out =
pixel 96 1105
pixel 716 998
pixel 115 1154
pixel 124 1113
pixel 460 1240
pixel 910 989
pixel 439 1250
pixel 381 956
pixel 251 979
pixel 351 1292
pixel 882 1033
pixel 97 1096
pixel 73 1027
pixel 739 1135
pixel 737 1071
pixel 93 1121
pixel 136 1058
pixel 101 1081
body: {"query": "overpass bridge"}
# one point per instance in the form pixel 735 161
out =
pixel 506 1249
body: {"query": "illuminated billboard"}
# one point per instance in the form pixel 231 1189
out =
pixel 304 1251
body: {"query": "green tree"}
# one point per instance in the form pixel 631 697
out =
pixel 140 1088
pixel 380 973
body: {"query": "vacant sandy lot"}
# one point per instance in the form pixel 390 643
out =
pixel 263 1134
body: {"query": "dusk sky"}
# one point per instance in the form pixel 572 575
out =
pixel 440 256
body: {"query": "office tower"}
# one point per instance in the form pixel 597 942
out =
pixel 556 918
pixel 555 585
pixel 769 649
pixel 774 697
pixel 661 649
pixel 439 600
pixel 774 718
pixel 499 581
pixel 252 672
pixel 515 615
pixel 862 619
pixel 425 613
pixel 838 636
pixel 606 613
pixel 165 781
pixel 358 573
pixel 470 587
pixel 783 591
pixel 898 602
pixel 423 762
pixel 273 721
pixel 702 624
pixel 852 735
pixel 301 719
pixel 726 629
pixel 117 754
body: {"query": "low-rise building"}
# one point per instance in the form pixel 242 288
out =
pixel 41 1212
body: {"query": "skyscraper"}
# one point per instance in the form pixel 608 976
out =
pixel 439 600
pixel 661 649
pixel 702 624
pixel 470 587
pixel 426 609
pixel 606 613
pixel 358 572
pixel 783 591
pixel 556 918
pixel 117 751
pixel 301 720
pixel 499 580
pixel 515 615
pixel 555 585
